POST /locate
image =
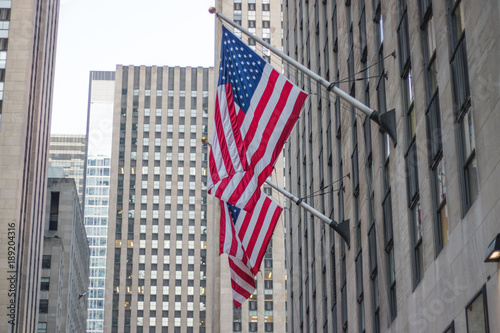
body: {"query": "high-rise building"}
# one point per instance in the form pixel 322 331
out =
pixel 265 311
pixel 97 176
pixel 68 152
pixel 423 212
pixel 157 241
pixel 65 262
pixel 28 32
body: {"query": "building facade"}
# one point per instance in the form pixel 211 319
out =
pixel 265 311
pixel 156 271
pixel 27 53
pixel 97 176
pixel 65 263
pixel 68 152
pixel 423 211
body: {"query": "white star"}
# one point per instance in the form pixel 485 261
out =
pixel 250 85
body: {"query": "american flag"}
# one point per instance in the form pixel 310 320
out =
pixel 244 236
pixel 255 111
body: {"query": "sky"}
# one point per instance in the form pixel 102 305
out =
pixel 96 35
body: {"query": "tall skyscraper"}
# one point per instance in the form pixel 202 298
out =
pixel 97 176
pixel 157 240
pixel 68 152
pixel 265 311
pixel 65 262
pixel 27 48
pixel 422 212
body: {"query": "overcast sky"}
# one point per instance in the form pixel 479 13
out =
pixel 99 34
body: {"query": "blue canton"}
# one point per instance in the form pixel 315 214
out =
pixel 241 67
pixel 234 212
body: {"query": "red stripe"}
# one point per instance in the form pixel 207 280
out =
pixel 244 225
pixel 261 107
pixel 283 137
pixel 213 168
pixel 258 226
pixel 269 130
pixel 269 234
pixel 222 231
pixel 234 240
pixel 235 126
pixel 242 274
pixel 242 186
pixel 219 128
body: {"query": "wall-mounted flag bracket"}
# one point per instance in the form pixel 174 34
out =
pixel 341 228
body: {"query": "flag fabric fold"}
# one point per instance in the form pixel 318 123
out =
pixel 256 108
pixel 244 236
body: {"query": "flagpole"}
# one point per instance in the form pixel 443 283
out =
pixel 386 120
pixel 341 228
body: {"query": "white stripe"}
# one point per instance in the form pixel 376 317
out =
pixel 231 234
pixel 260 240
pixel 240 282
pixel 219 163
pixel 228 235
pixel 228 130
pixel 266 115
pixel 280 125
pixel 257 95
pixel 253 221
pixel 238 279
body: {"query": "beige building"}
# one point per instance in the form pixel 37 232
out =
pixel 265 311
pixel 29 29
pixel 68 152
pixel 65 263
pixel 156 272
pixel 423 212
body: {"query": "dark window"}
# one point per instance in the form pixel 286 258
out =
pixel 44 283
pixel 46 261
pixel 461 92
pixel 54 210
pixel 44 306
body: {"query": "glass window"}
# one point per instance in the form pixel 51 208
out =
pixel 477 314
pixel 41 328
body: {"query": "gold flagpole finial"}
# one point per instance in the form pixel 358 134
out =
pixel 212 10
pixel 204 139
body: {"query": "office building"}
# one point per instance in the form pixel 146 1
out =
pixel 265 311
pixel 68 152
pixel 423 211
pixel 65 262
pixel 156 265
pixel 28 32
pixel 99 129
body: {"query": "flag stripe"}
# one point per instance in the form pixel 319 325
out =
pixel 254 114
pixel 252 232
pixel 267 238
pixel 261 107
pixel 241 289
